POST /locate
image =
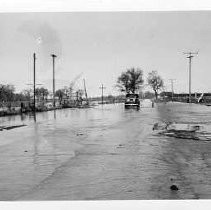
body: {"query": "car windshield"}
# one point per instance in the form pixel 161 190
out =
pixel 131 95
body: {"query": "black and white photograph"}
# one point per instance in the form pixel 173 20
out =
pixel 105 105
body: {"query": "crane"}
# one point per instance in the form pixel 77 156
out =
pixel 72 83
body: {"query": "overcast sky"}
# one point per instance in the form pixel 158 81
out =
pixel 103 44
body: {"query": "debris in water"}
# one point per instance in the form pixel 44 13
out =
pixel 129 191
pixel 25 151
pixel 120 146
pixel 80 134
pixel 161 126
pixel 10 127
pixel 184 131
pixel 174 187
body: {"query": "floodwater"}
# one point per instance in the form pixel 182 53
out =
pixel 104 153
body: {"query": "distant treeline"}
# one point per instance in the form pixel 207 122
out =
pixel 169 94
pixel 8 95
pixel 184 97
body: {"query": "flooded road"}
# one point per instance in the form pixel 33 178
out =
pixel 104 153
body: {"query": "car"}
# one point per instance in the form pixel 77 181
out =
pixel 132 100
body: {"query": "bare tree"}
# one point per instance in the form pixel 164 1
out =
pixel 155 81
pixel 7 93
pixel 130 80
pixel 41 93
pixel 60 93
pixel 28 93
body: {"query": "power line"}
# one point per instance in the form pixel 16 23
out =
pixel 190 56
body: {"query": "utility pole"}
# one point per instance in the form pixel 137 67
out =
pixel 102 88
pixel 172 88
pixel 190 56
pixel 53 56
pixel 34 57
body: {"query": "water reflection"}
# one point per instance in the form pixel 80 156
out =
pixel 36 142
pixel 72 114
pixel 23 117
pixel 54 112
pixel 132 108
pixel 32 116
